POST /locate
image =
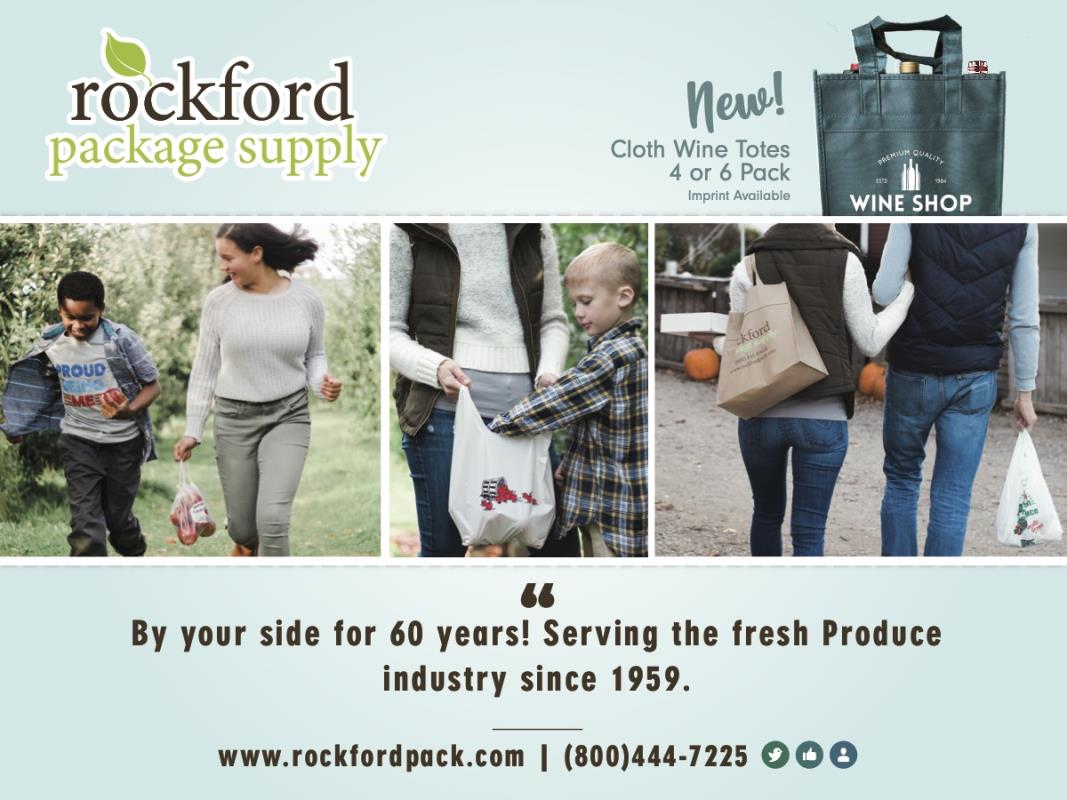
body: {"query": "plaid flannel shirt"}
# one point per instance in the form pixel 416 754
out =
pixel 604 399
pixel 32 399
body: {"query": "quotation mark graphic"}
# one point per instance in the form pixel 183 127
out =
pixel 531 598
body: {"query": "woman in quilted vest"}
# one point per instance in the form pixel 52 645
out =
pixel 477 305
pixel 827 282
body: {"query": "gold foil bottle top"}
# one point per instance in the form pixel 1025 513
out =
pixel 909 67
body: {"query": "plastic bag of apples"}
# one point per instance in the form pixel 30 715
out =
pixel 189 514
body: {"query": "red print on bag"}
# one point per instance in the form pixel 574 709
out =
pixel 496 490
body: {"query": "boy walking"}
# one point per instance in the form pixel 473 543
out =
pixel 92 380
pixel 604 400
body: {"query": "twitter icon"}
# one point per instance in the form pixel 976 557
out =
pixel 775 754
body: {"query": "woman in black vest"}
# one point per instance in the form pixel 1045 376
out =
pixel 827 282
pixel 476 305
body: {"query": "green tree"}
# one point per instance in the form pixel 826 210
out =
pixel 157 277
pixel 33 258
pixel 573 238
pixel 708 250
pixel 352 317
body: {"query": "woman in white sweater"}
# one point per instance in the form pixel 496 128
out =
pixel 827 283
pixel 477 305
pixel 261 347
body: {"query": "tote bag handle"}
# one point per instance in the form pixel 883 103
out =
pixel 872 48
pixel 465 406
pixel 753 275
pixel 947 60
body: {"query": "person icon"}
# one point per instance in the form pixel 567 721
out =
pixel 843 754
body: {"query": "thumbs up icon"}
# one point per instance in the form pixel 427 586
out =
pixel 809 754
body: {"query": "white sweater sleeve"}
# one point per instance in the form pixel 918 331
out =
pixel 739 286
pixel 740 283
pixel 406 356
pixel 315 366
pixel 205 372
pixel 871 332
pixel 555 330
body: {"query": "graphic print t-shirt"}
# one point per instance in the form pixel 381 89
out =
pixel 84 375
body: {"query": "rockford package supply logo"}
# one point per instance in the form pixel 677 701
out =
pixel 233 97
pixel 912 178
pixel 756 337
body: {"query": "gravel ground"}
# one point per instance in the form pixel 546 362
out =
pixel 703 501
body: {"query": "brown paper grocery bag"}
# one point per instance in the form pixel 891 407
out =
pixel 769 354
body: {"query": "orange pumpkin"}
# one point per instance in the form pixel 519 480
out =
pixel 701 364
pixel 879 387
pixel 869 376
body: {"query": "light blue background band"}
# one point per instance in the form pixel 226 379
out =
pixel 510 109
pixel 85 710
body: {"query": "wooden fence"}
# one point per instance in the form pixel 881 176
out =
pixel 675 295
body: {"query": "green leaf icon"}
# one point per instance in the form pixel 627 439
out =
pixel 125 58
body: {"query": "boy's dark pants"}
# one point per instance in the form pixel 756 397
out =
pixel 102 481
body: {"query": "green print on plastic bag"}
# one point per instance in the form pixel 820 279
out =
pixel 1027 509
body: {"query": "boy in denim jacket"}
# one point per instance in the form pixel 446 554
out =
pixel 92 380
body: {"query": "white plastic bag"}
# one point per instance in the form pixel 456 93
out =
pixel 189 514
pixel 1026 515
pixel 501 486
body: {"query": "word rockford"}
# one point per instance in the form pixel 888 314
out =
pixel 189 99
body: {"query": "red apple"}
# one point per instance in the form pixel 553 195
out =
pixel 187 534
pixel 115 397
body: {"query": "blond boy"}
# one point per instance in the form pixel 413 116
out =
pixel 603 400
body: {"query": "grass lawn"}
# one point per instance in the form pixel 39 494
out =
pixel 336 512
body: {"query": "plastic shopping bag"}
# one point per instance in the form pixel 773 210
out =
pixel 1026 515
pixel 189 513
pixel 501 486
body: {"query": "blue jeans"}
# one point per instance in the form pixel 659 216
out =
pixel 957 407
pixel 819 448
pixel 429 455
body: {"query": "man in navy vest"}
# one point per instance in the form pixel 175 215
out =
pixel 943 366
